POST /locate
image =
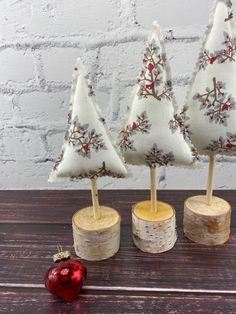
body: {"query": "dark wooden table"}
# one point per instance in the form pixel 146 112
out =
pixel 188 279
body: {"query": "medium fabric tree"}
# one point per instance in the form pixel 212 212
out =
pixel 151 134
pixel 89 152
pixel 211 102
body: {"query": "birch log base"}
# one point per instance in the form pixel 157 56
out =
pixel 99 239
pixel 207 224
pixel 154 232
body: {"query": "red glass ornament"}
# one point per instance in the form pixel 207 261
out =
pixel 65 277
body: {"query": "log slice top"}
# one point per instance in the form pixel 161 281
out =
pixel 198 205
pixel 143 211
pixel 84 219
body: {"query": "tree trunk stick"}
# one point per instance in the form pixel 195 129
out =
pixel 153 190
pixel 96 209
pixel 210 178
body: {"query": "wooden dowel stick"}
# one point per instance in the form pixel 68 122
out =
pixel 153 176
pixel 96 209
pixel 210 178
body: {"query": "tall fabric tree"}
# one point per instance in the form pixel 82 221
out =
pixel 88 152
pixel 151 134
pixel 211 99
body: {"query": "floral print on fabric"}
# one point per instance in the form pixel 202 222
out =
pixel 216 102
pixel 141 125
pixel 151 76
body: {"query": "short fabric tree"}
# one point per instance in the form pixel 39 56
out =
pixel 89 152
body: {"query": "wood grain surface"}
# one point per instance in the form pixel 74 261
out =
pixel 38 301
pixel 189 278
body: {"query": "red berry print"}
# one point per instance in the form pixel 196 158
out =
pixel 84 140
pixel 216 102
pixel 227 53
pixel 229 146
pixel 213 59
pixel 150 67
pixel 141 125
pixel 86 148
pixel 226 107
pixel 134 126
pixel 223 145
pixel 151 76
pixel 149 86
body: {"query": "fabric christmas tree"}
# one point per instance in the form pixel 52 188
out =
pixel 211 99
pixel 152 133
pixel 88 150
pixel 210 110
pixel 153 136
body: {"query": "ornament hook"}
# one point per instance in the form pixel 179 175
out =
pixel 59 248
pixel 60 255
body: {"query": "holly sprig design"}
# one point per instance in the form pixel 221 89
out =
pixel 228 53
pixel 156 156
pixel 216 102
pixel 179 122
pixel 150 77
pixel 227 144
pixel 140 125
pixel 84 140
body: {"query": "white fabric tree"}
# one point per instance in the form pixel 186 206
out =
pixel 210 111
pixel 151 135
pixel 211 99
pixel 88 150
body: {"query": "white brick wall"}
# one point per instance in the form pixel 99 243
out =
pixel 39 41
pixel 16 66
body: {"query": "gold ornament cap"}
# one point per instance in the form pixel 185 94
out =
pixel 61 254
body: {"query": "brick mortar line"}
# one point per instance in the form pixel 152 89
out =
pixel 30 44
pixel 10 87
